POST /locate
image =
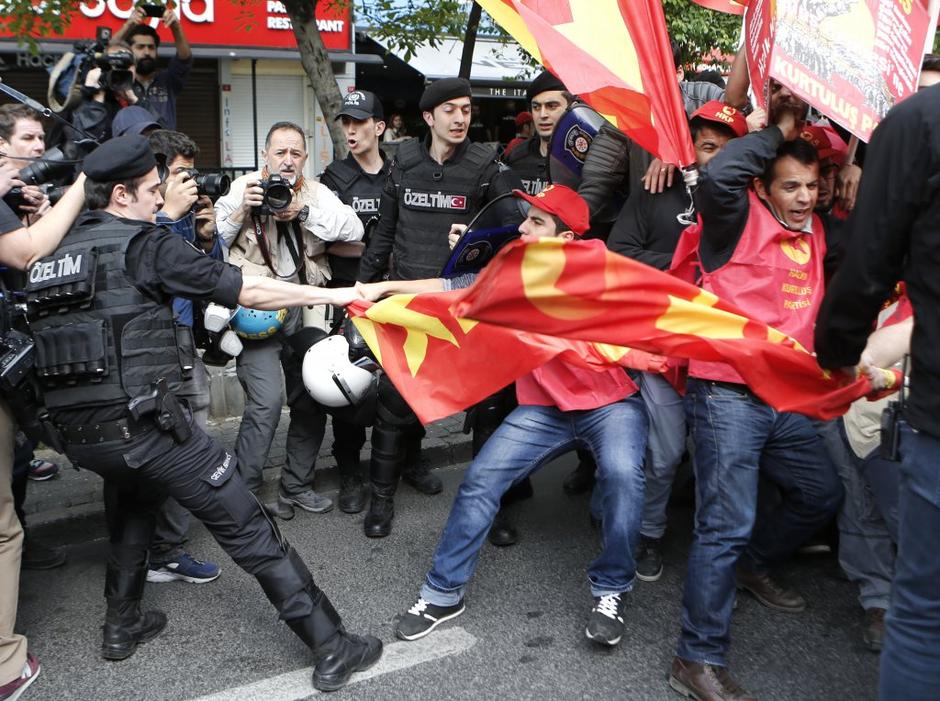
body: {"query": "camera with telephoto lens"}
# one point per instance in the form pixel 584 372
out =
pixel 115 70
pixel 51 166
pixel 278 195
pixel 214 185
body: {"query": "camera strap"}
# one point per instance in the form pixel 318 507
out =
pixel 262 239
pixel 296 252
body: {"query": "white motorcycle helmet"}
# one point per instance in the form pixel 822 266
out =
pixel 330 378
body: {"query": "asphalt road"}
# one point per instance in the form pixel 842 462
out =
pixel 521 637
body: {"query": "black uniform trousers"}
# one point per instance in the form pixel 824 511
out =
pixel 203 477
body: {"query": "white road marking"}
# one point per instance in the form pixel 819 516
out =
pixel 397 656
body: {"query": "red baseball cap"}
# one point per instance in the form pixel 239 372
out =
pixel 564 203
pixel 825 143
pixel 719 112
pixel 523 118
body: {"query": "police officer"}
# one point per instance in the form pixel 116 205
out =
pixel 357 180
pixel 110 358
pixel 548 99
pixel 432 185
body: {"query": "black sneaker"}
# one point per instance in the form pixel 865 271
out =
pixel 424 617
pixel 649 560
pixel 605 626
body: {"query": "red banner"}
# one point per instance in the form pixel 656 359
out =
pixel 580 291
pixel 851 60
pixel 728 6
pixel 615 55
pixel 229 23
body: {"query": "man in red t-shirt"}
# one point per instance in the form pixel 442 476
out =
pixel 561 407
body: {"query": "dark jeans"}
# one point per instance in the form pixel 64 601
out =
pixel 737 437
pixel 910 661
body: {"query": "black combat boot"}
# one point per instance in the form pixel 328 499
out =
pixel 378 522
pixel 337 654
pixel 416 472
pixel 125 626
pixel 352 498
pixel 289 585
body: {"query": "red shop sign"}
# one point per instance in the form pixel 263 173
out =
pixel 255 24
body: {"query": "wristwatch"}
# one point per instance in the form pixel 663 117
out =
pixel 303 214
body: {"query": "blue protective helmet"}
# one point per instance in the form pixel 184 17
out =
pixel 255 324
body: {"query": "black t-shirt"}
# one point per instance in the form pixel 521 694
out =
pixel 8 219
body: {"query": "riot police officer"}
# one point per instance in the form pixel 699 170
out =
pixel 109 358
pixel 357 180
pixel 548 98
pixel 432 185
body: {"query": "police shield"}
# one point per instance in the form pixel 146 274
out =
pixel 492 228
pixel 571 141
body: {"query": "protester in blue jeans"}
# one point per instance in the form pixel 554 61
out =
pixel 895 235
pixel 561 407
pixel 758 234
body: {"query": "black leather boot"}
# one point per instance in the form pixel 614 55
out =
pixel 337 654
pixel 416 472
pixel 378 522
pixel 125 627
pixel 347 443
pixel 502 533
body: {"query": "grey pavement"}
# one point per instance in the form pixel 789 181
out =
pixel 521 636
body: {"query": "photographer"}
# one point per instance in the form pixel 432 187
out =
pixel 277 224
pixel 20 247
pixel 159 88
pixel 22 136
pixel 104 93
pixel 169 562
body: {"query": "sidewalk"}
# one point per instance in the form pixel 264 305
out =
pixel 77 493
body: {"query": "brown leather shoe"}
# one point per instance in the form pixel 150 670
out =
pixel 768 592
pixel 705 682
pixel 874 634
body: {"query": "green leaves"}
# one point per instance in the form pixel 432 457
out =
pixel 698 30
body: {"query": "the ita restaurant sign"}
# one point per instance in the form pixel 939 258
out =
pixel 249 23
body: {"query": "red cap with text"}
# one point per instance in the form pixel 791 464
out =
pixel 564 203
pixel 717 111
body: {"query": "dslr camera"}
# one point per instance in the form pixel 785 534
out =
pixel 215 185
pixel 278 195
pixel 50 167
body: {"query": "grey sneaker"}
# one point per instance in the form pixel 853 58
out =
pixel 308 501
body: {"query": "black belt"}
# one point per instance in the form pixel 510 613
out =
pixel 733 386
pixel 117 430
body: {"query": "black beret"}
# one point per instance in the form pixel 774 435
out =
pixel 543 82
pixel 443 90
pixel 121 158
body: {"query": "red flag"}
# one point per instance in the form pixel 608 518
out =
pixel 614 54
pixel 442 364
pixel 586 292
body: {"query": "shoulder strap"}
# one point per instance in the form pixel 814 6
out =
pixel 479 155
pixel 341 173
pixel 409 154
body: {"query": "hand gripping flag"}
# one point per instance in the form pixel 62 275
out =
pixel 616 56
pixel 583 292
pixel 442 364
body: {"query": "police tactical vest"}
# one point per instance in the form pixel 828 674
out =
pixel 431 197
pixel 355 187
pixel 99 341
pixel 530 165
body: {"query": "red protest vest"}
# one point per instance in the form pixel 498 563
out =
pixel 775 276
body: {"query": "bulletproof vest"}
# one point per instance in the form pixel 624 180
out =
pixel 354 187
pixel 431 197
pixel 530 165
pixel 99 341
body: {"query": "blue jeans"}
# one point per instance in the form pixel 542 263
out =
pixel 736 437
pixel 866 547
pixel 530 437
pixel 664 451
pixel 910 660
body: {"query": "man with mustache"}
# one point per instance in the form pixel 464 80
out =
pixel 160 88
pixel 433 185
pixel 284 244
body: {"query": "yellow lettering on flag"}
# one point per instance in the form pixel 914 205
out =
pixel 597 27
pixel 393 310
